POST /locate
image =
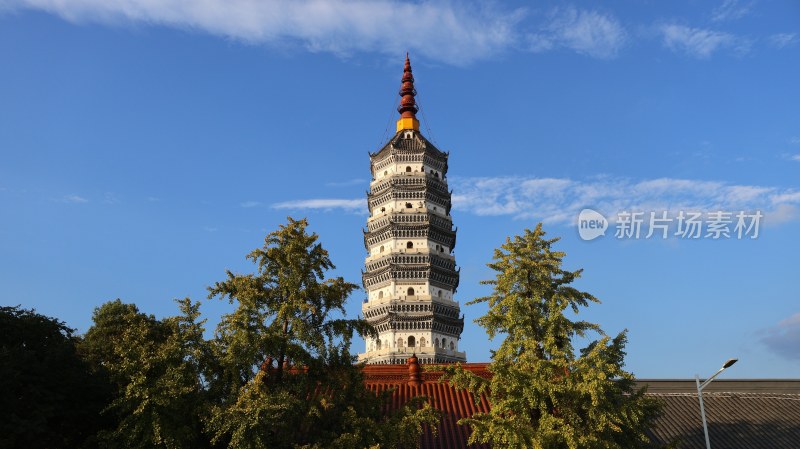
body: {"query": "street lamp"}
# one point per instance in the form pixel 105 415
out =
pixel 700 387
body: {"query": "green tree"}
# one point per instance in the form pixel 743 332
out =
pixel 48 396
pixel 156 369
pixel 285 376
pixel 543 394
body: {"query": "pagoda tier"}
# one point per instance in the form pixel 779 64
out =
pixel 404 150
pixel 442 223
pixel 423 315
pixel 415 182
pixel 410 272
pixel 445 238
pixel 411 259
pixel 410 199
pixel 411 275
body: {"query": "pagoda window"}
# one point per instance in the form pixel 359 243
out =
pixel 378 345
pixel 408 169
pixel 444 342
pixel 408 205
pixel 452 346
pixel 422 342
pixel 411 342
pixel 381 250
pixel 410 291
pixel 437 342
pixel 436 175
pixel 410 245
pixel 383 209
pixel 440 293
pixel 385 173
pixel 380 294
pixel 399 342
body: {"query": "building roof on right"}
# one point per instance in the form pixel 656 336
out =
pixel 741 414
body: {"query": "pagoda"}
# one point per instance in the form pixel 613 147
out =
pixel 411 275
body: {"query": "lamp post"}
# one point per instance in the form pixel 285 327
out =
pixel 700 387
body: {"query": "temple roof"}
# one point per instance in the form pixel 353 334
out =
pixel 742 414
pixel 453 404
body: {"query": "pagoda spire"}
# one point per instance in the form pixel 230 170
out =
pixel 408 106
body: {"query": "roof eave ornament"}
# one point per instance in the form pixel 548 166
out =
pixel 414 371
pixel 408 106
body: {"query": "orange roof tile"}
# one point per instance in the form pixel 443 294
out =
pixel 453 404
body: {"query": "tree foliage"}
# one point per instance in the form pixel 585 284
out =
pixel 155 367
pixel 277 374
pixel 543 394
pixel 285 376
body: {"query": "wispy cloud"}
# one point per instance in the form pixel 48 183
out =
pixel 349 205
pixel 731 10
pixel 250 204
pixel 110 198
pixel 795 157
pixel 795 140
pixel 349 182
pixel 700 43
pixel 591 33
pixel 781 40
pixel 456 32
pixel 784 338
pixel 74 199
pixel 559 200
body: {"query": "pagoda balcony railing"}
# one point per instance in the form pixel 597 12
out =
pixel 410 251
pixel 415 350
pixel 414 210
pixel 413 298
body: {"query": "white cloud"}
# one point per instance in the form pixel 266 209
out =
pixel 250 204
pixel 784 213
pixel 795 140
pixel 586 32
pixel 75 199
pixel 784 338
pixel 782 40
pixel 731 10
pixel 454 32
pixel 349 205
pixel 795 157
pixel 559 200
pixel 700 43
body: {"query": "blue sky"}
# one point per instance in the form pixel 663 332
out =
pixel 145 147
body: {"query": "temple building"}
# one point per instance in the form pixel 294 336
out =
pixel 411 276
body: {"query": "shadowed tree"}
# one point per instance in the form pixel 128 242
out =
pixel 543 394
pixel 49 397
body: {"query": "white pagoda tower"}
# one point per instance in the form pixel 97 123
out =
pixel 411 274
